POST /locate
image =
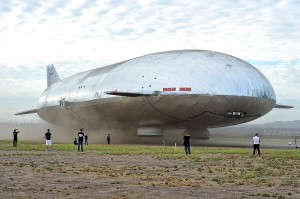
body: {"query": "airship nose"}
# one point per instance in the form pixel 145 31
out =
pixel 212 88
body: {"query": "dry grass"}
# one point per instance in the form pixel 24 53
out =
pixel 146 172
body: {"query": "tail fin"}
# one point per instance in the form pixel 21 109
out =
pixel 283 106
pixel 52 75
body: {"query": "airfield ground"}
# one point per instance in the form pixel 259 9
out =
pixel 122 171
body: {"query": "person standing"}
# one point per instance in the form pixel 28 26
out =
pixel 256 143
pixel 48 139
pixel 15 133
pixel 80 140
pixel 86 139
pixel 186 142
pixel 108 139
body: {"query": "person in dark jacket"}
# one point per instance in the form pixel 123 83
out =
pixel 75 141
pixel 86 141
pixel 186 142
pixel 15 133
pixel 108 139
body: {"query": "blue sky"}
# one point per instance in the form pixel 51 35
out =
pixel 81 35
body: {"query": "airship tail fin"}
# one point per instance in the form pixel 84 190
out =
pixel 27 112
pixel 283 106
pixel 52 75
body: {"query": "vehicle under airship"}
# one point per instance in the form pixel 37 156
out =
pixel 180 89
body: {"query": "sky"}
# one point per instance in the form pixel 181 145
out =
pixel 84 34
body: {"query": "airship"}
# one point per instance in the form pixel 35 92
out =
pixel 180 89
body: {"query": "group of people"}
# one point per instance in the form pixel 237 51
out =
pixel 47 137
pixel 186 144
pixel 82 137
pixel 79 142
pixel 86 141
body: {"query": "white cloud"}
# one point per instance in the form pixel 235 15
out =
pixel 285 78
pixel 86 34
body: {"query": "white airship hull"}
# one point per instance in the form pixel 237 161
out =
pixel 191 89
pixel 152 112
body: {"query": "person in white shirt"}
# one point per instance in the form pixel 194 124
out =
pixel 256 142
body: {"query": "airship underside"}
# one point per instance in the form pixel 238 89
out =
pixel 184 89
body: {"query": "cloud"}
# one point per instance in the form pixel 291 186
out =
pixel 85 34
pixel 5 6
pixel 284 77
pixel 30 6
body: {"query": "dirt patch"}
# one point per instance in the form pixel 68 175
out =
pixel 70 174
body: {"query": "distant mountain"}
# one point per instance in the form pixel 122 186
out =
pixel 278 124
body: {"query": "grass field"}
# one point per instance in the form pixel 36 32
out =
pixel 6 145
pixel 135 171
